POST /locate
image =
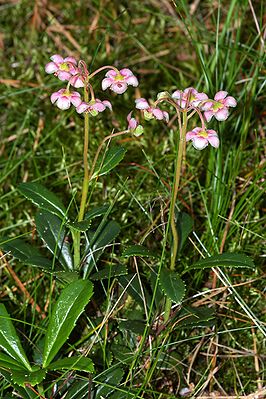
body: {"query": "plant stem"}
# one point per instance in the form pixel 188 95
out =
pixel 85 185
pixel 177 175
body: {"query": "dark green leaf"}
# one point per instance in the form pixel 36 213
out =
pixel 224 260
pixel 25 393
pixel 98 242
pixel 109 271
pixel 196 317
pixel 138 250
pixel 131 284
pixel 172 285
pixel 73 363
pixel 26 253
pixel 78 390
pixel 184 226
pixel 67 310
pixel 30 377
pixel 86 223
pixel 53 233
pixel 8 362
pixel 9 340
pixel 111 159
pixel 122 353
pixel 43 198
pixel 66 277
pixel 135 326
pixel 108 381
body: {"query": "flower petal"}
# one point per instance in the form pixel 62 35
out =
pixel 220 95
pixel 119 87
pixel 54 97
pixel 208 115
pixel 199 143
pixel 158 113
pixel 75 100
pixel 51 67
pixel 107 83
pixel 132 80
pixel 230 101
pixel 222 114
pixel 76 81
pixel 57 58
pixel 190 135
pixel 214 140
pixel 98 106
pixel 166 116
pixel 63 102
pixel 63 75
pixel 71 59
pixel 141 103
pixel 111 74
pixel 177 94
pixel 107 104
pixel 82 107
pixel 126 72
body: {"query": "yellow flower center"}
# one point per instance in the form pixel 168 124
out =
pixel 64 66
pixel 203 134
pixel 217 106
pixel 119 77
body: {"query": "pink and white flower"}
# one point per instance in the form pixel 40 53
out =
pixel 201 138
pixel 189 97
pixel 151 112
pixel 63 98
pixel 61 67
pixel 94 106
pixel 219 108
pixel 118 81
pixel 76 81
pixel 134 125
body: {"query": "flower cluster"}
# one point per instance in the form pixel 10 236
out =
pixel 190 101
pixel 76 74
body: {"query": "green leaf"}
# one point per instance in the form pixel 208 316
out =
pixel 138 250
pixel 112 157
pixel 109 272
pixel 131 284
pixel 9 340
pixel 30 377
pixel 78 390
pixel 26 253
pixel 98 242
pixel 135 326
pixel 109 380
pixel 25 393
pixel 67 310
pixel 122 353
pixel 172 285
pixel 73 363
pixel 196 317
pixel 53 233
pixel 66 277
pixel 86 223
pixel 224 260
pixel 184 226
pixel 8 362
pixel 43 198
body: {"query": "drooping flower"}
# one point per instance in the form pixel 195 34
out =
pixel 150 111
pixel 118 82
pixel 63 98
pixel 94 106
pixel 61 67
pixel 219 108
pixel 202 137
pixel 189 97
pixel 77 81
pixel 134 125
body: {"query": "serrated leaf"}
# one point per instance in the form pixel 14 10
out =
pixel 66 277
pixel 172 285
pixel 43 198
pixel 26 253
pixel 30 377
pixel 109 380
pixel 224 260
pixel 135 326
pixel 138 250
pixel 130 282
pixel 122 353
pixel 25 393
pixel 9 341
pixel 86 223
pixel 73 363
pixel 191 317
pixel 67 310
pixel 111 159
pixel 8 362
pixel 97 243
pixel 53 233
pixel 109 272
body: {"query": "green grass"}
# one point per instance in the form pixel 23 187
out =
pixel 168 46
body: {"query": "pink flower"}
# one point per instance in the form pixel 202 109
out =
pixel 134 125
pixel 63 98
pixel 151 112
pixel 94 107
pixel 61 67
pixel 201 138
pixel 118 82
pixel 189 97
pixel 219 107
pixel 76 81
